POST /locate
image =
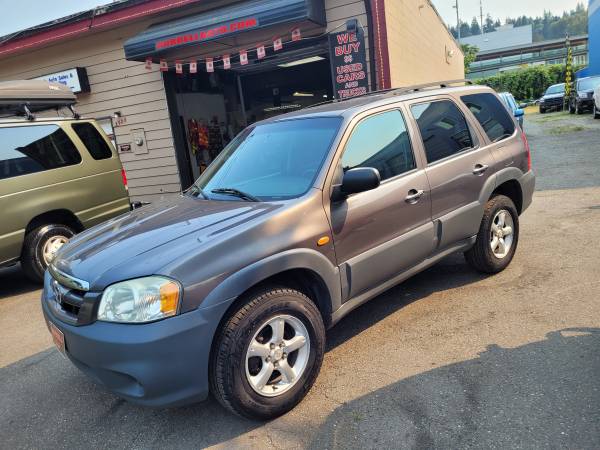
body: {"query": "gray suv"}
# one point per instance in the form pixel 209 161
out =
pixel 229 288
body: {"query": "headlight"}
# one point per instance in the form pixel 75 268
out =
pixel 140 300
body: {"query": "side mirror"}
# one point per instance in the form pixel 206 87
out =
pixel 519 113
pixel 357 180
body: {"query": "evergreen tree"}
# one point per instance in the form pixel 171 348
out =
pixel 475 28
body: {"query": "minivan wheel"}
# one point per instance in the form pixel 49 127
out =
pixel 267 354
pixel 497 237
pixel 39 248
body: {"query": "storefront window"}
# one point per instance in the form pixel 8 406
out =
pixel 273 161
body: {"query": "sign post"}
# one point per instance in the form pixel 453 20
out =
pixel 348 61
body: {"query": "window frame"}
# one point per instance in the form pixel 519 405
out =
pixel 473 132
pixel 101 136
pixel 82 156
pixel 372 113
pixel 479 126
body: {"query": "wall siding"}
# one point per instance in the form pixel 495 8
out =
pixel 417 42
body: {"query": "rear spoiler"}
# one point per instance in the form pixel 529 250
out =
pixel 24 97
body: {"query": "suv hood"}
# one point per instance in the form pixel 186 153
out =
pixel 122 248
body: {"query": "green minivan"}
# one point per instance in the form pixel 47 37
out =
pixel 58 176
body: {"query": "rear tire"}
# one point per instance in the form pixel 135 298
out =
pixel 39 247
pixel 497 238
pixel 248 349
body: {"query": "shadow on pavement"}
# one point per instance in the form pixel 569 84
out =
pixel 541 395
pixel 14 282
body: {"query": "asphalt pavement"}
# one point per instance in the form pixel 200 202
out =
pixel 449 359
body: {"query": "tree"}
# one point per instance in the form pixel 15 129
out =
pixel 488 26
pixel 470 52
pixel 465 29
pixel 475 28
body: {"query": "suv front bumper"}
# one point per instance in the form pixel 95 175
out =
pixel 164 363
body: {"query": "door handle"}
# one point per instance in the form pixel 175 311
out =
pixel 414 196
pixel 480 169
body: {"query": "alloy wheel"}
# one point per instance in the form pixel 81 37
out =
pixel 501 234
pixel 277 355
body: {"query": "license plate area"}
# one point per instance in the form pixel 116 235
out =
pixel 58 337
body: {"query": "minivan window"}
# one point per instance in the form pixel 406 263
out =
pixel 492 116
pixel 272 161
pixel 93 141
pixel 443 128
pixel 382 142
pixel 31 149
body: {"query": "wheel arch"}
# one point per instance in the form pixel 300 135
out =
pixel 303 269
pixel 55 216
pixel 506 182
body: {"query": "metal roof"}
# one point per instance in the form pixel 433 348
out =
pixel 506 36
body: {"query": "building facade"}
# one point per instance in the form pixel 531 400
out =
pixel 505 59
pixel 168 124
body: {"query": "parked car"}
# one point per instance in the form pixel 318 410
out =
pixel 553 99
pixel 517 110
pixel 58 176
pixel 596 109
pixel 581 98
pixel 303 217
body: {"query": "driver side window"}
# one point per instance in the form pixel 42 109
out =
pixel 380 141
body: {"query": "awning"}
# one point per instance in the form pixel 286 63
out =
pixel 224 29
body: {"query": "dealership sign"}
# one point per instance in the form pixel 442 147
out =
pixel 76 79
pixel 208 34
pixel 348 63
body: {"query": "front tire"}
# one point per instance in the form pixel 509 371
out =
pixel 596 112
pixel 39 248
pixel 267 354
pixel 497 238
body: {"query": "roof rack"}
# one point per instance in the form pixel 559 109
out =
pixel 24 97
pixel 399 90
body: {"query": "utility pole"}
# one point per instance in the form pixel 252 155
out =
pixel 481 14
pixel 457 20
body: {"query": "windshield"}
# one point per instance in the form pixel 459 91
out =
pixel 273 161
pixel 556 89
pixel 588 84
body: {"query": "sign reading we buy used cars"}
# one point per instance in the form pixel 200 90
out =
pixel 348 63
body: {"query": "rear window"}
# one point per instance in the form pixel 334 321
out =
pixel 93 140
pixel 491 114
pixel 32 149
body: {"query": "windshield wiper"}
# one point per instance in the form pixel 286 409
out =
pixel 236 193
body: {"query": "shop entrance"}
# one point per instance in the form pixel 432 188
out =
pixel 207 110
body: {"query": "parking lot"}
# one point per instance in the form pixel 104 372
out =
pixel 449 359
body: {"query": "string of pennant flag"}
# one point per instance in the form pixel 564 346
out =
pixel 226 59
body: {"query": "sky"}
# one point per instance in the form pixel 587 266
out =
pixel 33 12
pixel 501 9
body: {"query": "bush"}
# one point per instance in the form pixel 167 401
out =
pixel 528 83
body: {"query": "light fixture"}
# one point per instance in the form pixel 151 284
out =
pixel 299 62
pixel 303 94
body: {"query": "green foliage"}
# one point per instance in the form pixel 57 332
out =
pixel 470 52
pixel 549 26
pixel 528 83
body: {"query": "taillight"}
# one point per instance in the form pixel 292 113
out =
pixel 124 177
pixel 527 149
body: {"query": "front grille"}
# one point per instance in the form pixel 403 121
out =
pixel 71 305
pixel 553 101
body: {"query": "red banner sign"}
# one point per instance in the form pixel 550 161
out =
pixel 206 35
